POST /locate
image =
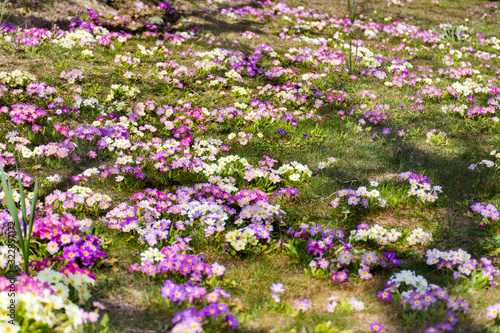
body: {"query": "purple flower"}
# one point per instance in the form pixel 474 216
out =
pixel 277 288
pixel 177 293
pixel 450 316
pixel 71 252
pixel 342 276
pixel 385 295
pixel 445 326
pixel 386 131
pixel 232 321
pixel 315 229
pixel 213 297
pixel 302 304
pixel 323 263
pixel 211 310
pixel 353 200
pixel 339 234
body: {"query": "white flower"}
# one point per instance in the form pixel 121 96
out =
pixel 331 306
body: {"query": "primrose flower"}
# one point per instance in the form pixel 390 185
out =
pixel 335 202
pixel 302 304
pixel 385 295
pixel 492 310
pixel 277 288
pixel 376 327
pixel 52 247
pixel 331 306
pixel 232 321
pixel 218 269
pixel 364 273
pixel 357 305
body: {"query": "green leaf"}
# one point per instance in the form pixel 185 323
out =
pixel 32 215
pixel 11 205
pixel 23 202
pixel 104 320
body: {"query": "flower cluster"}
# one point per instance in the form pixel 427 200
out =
pixel 77 197
pixel 417 294
pixel 383 237
pixel 421 186
pixel 46 300
pixel 17 78
pixel 172 259
pixel 466 265
pixel 488 211
pixel 436 137
pixel 72 76
pixel 86 248
pixel 241 237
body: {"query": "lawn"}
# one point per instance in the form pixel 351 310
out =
pixel 253 166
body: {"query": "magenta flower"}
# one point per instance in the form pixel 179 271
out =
pixel 376 327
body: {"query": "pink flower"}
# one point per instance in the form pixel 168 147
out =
pixel 52 247
pixel 218 269
pixel 364 273
pixel 92 316
pixel 335 203
pixel 99 305
pixel 492 310
pixel 302 304
pixel 213 297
